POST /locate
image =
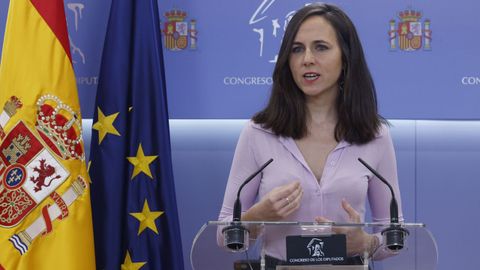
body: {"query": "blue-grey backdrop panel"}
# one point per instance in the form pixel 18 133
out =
pixel 221 64
pixel 437 166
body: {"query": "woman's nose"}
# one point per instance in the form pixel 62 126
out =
pixel 308 58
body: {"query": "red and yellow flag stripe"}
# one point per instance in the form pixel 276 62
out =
pixel 36 63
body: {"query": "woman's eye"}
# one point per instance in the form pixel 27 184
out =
pixel 321 47
pixel 297 49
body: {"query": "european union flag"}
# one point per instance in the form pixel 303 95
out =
pixel 133 196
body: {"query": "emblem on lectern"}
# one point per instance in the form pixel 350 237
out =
pixel 315 247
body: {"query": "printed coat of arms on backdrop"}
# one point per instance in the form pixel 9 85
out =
pixel 410 33
pixel 178 33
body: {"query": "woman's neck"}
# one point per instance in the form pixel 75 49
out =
pixel 321 111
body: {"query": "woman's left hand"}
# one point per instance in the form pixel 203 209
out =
pixel 358 241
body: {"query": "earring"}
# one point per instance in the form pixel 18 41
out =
pixel 341 83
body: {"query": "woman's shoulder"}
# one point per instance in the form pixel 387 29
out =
pixel 384 130
pixel 256 133
pixel 257 137
pixel 255 128
pixel 377 145
pixel 383 133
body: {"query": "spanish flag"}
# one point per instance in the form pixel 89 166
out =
pixel 45 215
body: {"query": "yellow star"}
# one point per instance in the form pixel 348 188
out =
pixel 129 265
pixel 147 218
pixel 141 163
pixel 104 125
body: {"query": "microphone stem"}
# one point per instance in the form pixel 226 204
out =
pixel 253 175
pixel 237 207
pixel 381 179
pixel 393 202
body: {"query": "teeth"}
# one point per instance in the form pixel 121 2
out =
pixel 311 76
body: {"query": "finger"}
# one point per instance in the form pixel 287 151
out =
pixel 320 219
pixel 286 202
pixel 288 205
pixel 335 229
pixel 289 202
pixel 284 198
pixel 278 195
pixel 293 203
pixel 354 216
pixel 286 190
pixel 289 210
pixel 295 195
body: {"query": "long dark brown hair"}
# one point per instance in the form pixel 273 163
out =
pixel 286 113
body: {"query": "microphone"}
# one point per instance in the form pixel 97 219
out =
pixel 236 235
pixel 395 234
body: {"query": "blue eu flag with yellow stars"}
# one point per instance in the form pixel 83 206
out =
pixel 133 196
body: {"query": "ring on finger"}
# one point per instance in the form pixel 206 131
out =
pixel 288 200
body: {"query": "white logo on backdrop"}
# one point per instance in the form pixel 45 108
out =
pixel 269 28
pixel 75 13
pixel 76 9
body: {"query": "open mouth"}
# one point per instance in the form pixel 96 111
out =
pixel 311 76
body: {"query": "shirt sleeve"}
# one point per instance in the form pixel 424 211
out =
pixel 379 194
pixel 243 165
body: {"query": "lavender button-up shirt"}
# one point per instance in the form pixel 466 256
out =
pixel 343 177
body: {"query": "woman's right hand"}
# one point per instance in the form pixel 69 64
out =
pixel 276 204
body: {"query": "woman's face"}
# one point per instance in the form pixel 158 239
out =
pixel 316 58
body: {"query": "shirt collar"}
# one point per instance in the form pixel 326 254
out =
pixel 289 143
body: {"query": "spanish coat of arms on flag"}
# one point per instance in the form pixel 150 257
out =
pixel 45 215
